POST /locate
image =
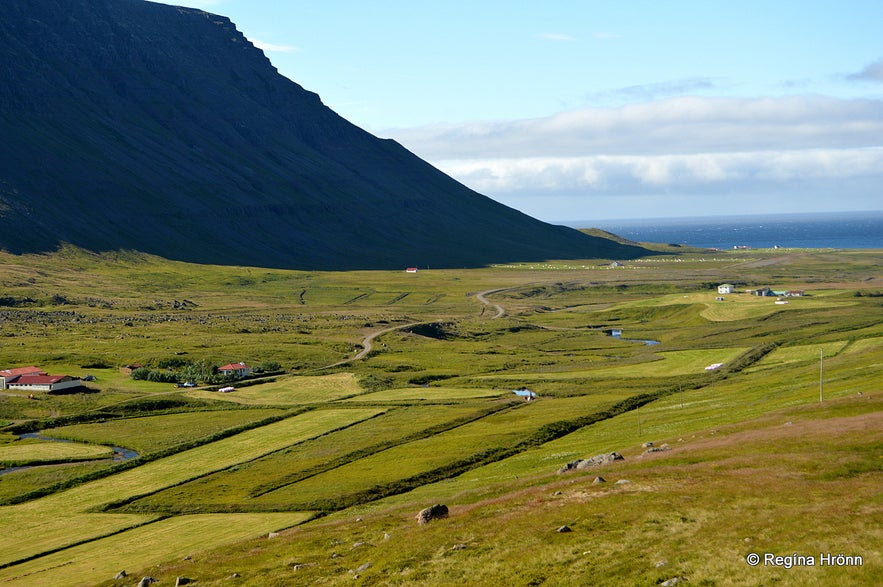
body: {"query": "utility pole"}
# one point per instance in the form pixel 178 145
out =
pixel 821 375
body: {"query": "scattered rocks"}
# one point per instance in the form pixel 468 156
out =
pixel 564 528
pixel 435 512
pixel 652 449
pixel 595 461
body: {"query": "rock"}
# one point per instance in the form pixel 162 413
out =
pixel 623 482
pixel 273 535
pixel 234 576
pixel 564 528
pixel 386 536
pixel 647 445
pixel 458 547
pixel 147 581
pixel 435 512
pixel 120 575
pixel 595 461
pixel 359 545
pixel 661 448
pixel 673 581
pixel 599 480
pixel 364 567
pixel 181 581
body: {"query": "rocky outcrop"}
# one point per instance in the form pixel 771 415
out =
pixel 595 461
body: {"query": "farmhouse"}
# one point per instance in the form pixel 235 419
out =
pixel 7 375
pixel 235 370
pixel 726 288
pixel 43 382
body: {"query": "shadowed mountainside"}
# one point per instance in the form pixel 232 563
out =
pixel 132 125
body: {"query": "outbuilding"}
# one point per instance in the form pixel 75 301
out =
pixel 43 382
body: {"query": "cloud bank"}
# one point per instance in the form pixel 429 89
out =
pixel 683 146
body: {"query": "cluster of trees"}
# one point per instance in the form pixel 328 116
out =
pixel 177 370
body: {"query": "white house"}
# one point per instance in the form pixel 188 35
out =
pixel 235 369
pixel 726 288
pixel 43 382
pixel 7 375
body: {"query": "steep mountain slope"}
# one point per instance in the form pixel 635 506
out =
pixel 129 124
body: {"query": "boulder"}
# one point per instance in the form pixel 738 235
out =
pixel 121 575
pixel 435 512
pixel 595 461
pixel 563 529
pixel 147 581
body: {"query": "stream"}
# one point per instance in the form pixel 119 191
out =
pixel 120 453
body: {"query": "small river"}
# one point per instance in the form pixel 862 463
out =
pixel 120 453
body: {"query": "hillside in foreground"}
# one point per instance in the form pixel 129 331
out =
pixel 134 125
pixel 375 394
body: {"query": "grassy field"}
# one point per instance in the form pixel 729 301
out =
pixel 348 450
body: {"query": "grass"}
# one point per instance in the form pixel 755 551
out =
pixel 418 422
pixel 68 526
pixel 50 452
pixel 157 433
pixel 290 391
pixel 140 547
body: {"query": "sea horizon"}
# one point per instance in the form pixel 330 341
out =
pixel 811 230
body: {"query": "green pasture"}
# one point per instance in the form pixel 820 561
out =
pixel 239 486
pixel 660 364
pixel 744 306
pixel 172 539
pixel 495 431
pixel 289 391
pixel 50 452
pixel 428 394
pixel 55 510
pixel 799 354
pixel 675 420
pixel 78 313
pixel 154 433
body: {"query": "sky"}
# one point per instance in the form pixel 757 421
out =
pixel 599 109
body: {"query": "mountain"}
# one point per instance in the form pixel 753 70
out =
pixel 127 124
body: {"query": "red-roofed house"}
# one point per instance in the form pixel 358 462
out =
pixel 42 382
pixel 235 369
pixel 8 374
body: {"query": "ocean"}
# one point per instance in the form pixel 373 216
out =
pixel 836 230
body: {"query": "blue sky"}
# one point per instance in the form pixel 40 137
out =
pixel 572 110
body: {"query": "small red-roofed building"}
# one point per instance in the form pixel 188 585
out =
pixel 8 374
pixel 235 369
pixel 43 382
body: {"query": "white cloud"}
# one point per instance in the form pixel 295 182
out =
pixel 687 145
